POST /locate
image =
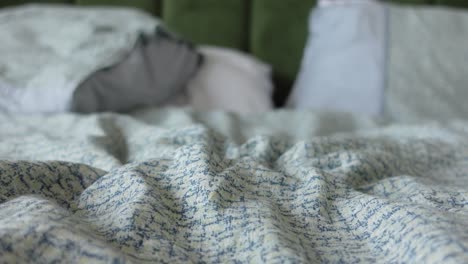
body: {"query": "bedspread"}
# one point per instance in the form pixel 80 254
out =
pixel 174 186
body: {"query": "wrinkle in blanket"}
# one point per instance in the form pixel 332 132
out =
pixel 188 193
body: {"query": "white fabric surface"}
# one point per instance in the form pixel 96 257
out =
pixel 428 64
pixel 47 50
pixel 173 186
pixel 229 80
pixel 405 62
pixel 343 64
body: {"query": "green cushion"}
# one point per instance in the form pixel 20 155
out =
pixel 20 2
pixel 412 1
pixel 212 22
pixel 151 6
pixel 453 3
pixel 278 35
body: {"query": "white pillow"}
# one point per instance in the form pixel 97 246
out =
pixel 343 64
pixel 406 62
pixel 428 64
pixel 230 80
pixel 46 51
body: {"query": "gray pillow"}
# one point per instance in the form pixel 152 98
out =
pixel 157 70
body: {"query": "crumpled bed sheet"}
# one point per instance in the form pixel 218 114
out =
pixel 174 186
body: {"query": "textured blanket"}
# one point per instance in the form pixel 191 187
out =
pixel 171 186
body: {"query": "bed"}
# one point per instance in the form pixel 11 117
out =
pixel 177 186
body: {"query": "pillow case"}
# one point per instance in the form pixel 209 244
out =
pixel 407 63
pixel 57 58
pixel 229 80
pixel 158 68
pixel 47 50
pixel 343 64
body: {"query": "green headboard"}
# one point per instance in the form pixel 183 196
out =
pixel 273 30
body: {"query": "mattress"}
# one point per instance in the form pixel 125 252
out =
pixel 173 186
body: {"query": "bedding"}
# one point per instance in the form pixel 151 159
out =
pixel 248 25
pixel 228 80
pixel 158 69
pixel 153 68
pixel 438 64
pixel 55 58
pixel 343 67
pixel 177 186
pixel 405 62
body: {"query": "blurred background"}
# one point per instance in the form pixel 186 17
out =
pixel 273 31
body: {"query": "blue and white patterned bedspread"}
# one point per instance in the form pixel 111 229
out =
pixel 172 186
